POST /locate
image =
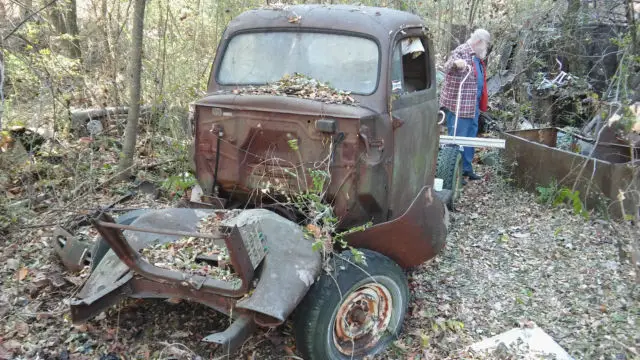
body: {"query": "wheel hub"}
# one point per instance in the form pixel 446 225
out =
pixel 362 319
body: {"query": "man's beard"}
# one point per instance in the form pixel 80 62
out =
pixel 481 51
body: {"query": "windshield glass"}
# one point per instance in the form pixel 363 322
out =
pixel 347 63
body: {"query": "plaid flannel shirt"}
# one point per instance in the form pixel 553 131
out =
pixel 452 80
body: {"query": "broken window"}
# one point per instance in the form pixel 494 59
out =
pixel 346 62
pixel 409 70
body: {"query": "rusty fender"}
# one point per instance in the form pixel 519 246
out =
pixel 413 238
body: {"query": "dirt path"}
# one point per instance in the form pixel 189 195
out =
pixel 508 261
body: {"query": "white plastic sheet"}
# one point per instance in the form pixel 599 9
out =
pixel 412 45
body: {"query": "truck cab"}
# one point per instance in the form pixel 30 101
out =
pixel 378 140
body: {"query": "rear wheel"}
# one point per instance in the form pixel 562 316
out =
pixel 354 311
pixel 449 169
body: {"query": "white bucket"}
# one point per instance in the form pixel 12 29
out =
pixel 437 184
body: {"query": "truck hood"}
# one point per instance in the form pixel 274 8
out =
pixel 284 104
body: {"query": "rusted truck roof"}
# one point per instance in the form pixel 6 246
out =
pixel 380 24
pixel 375 21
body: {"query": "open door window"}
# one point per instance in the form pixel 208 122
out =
pixel 409 70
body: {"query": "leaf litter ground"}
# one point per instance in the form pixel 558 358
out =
pixel 508 262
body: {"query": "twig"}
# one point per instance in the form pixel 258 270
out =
pixel 629 349
pixel 103 183
pixel 38 226
pixel 115 176
pixel 118 324
pixel 155 165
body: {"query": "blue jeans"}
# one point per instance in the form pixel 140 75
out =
pixel 467 127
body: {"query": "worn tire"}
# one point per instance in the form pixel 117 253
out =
pixel 100 247
pixel 314 319
pixel 449 169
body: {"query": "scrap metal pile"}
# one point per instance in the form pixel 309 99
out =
pixel 299 85
pixel 194 255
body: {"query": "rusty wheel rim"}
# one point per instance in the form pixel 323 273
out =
pixel 362 319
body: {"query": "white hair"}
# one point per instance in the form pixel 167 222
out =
pixel 480 34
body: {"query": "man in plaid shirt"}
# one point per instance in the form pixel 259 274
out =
pixel 468 57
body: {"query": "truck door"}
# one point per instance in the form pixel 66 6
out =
pixel 414 111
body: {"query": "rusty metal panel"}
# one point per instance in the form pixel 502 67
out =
pixel 380 23
pixel 416 135
pixel 288 270
pixel 411 239
pixel 288 264
pixel 111 268
pixel 112 234
pixel 145 288
pixel 535 161
pixel 72 251
pixel 108 294
pixel 255 149
pixel 415 148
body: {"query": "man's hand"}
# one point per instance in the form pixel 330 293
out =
pixel 460 64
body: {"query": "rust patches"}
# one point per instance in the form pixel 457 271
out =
pixel 540 162
pixel 396 123
pixel 255 148
pixel 112 234
pixel 429 197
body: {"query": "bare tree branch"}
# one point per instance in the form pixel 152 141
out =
pixel 29 17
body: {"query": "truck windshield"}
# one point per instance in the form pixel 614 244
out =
pixel 347 63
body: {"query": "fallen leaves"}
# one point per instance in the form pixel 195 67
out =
pixel 22 329
pixel 300 86
pixel 511 261
pixel 567 279
pixel 5 354
pixel 22 273
pixel 12 264
pixel 193 255
pixel 294 19
pixel 12 345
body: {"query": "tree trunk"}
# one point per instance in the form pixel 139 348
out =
pixel 71 18
pixel 631 23
pixel 473 9
pixel 1 81
pixel 449 37
pixel 135 68
pixel 571 36
pixel 64 18
pixel 26 9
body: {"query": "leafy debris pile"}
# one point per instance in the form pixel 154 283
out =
pixel 302 86
pixel 194 255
